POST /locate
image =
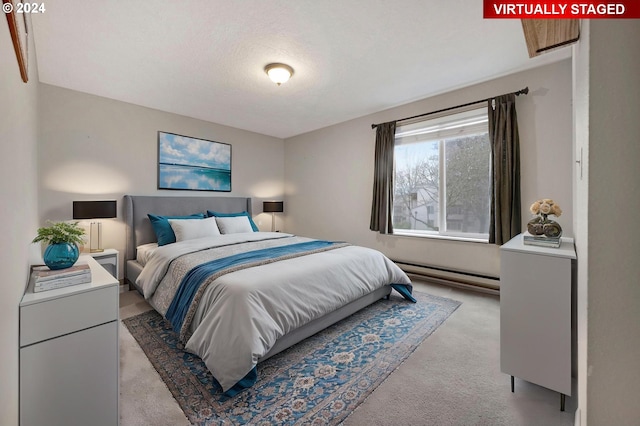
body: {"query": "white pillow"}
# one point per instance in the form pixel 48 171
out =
pixel 234 224
pixel 189 229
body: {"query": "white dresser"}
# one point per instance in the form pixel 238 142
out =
pixel 69 353
pixel 536 304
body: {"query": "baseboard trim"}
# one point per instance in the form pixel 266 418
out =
pixel 460 279
pixel 449 283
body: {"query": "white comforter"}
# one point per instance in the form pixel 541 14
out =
pixel 243 313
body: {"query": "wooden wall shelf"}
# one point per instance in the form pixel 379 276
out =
pixel 542 35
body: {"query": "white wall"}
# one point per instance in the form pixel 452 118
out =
pixel 329 172
pixel 98 148
pixel 581 203
pixel 18 210
pixel 613 387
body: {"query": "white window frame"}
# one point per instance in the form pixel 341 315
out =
pixel 441 125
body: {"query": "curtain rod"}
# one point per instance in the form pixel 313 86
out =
pixel 519 92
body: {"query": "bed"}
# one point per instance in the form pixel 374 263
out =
pixel 239 297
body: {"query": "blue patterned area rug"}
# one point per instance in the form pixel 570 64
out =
pixel 319 381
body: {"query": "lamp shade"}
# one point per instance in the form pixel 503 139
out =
pixel 272 206
pixel 94 209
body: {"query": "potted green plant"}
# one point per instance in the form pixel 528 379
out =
pixel 62 240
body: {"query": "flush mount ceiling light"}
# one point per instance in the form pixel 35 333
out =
pixel 279 73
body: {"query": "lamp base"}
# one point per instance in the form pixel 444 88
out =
pixel 95 238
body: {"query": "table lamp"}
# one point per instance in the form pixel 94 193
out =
pixel 273 207
pixel 94 210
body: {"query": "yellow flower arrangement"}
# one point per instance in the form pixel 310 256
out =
pixel 540 225
pixel 545 207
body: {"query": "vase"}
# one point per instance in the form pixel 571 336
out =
pixel 544 227
pixel 552 229
pixel 534 226
pixel 61 255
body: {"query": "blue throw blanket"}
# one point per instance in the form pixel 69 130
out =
pixel 194 278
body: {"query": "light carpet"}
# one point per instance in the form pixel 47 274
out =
pixel 318 381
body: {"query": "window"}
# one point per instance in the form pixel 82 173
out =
pixel 442 177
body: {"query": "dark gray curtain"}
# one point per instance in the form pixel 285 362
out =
pixel 382 205
pixel 505 186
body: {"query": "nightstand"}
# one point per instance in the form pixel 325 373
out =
pixel 108 259
pixel 537 299
pixel 69 353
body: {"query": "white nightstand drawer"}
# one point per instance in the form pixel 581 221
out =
pixel 71 380
pixel 56 317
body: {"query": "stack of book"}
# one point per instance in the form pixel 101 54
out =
pixel 46 279
pixel 541 240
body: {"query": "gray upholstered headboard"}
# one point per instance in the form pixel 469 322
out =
pixel 136 207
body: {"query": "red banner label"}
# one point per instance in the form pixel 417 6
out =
pixel 572 9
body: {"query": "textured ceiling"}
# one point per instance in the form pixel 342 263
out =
pixel 205 59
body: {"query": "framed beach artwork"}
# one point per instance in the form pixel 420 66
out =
pixel 187 163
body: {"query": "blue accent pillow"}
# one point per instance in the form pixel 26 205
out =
pixel 163 230
pixel 218 214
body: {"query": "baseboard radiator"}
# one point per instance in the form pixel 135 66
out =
pixel 450 277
